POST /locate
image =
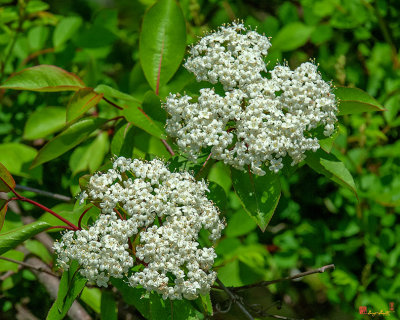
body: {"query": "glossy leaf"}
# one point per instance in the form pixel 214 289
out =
pixel 71 285
pixel 3 211
pixel 38 248
pixel 43 122
pixel 354 100
pixel 109 309
pixel 65 29
pixel 66 140
pixel 92 297
pixel 259 195
pixel 44 78
pixel 332 168
pixel 162 42
pixel 8 265
pixel 327 143
pixel 110 92
pixel 17 158
pixel 13 238
pixel 6 179
pixel 82 100
pixel 135 115
pixel 291 37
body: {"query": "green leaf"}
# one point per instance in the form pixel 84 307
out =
pixel 97 151
pixel 43 122
pixel 92 297
pixel 6 179
pixel 71 285
pixel 65 29
pixel 332 168
pixel 123 140
pixel 17 157
pixel 133 297
pixel 327 143
pixel 37 37
pixel 109 309
pixel 259 195
pixel 66 140
pixel 82 100
pixel 161 309
pixel 135 115
pixel 292 36
pixel 13 238
pixel 110 92
pixel 354 100
pixel 35 6
pixel 162 42
pixel 44 78
pixel 39 249
pixel 152 106
pixel 8 265
pixel 239 224
pixel 3 211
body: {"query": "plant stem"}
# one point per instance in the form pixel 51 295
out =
pixel 168 147
pixel 296 276
pixel 112 103
pixel 44 193
pixel 27 265
pixel 234 298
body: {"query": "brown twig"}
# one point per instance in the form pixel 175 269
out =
pixel 112 103
pixel 30 266
pixel 235 299
pixel 44 193
pixel 168 147
pixel 296 276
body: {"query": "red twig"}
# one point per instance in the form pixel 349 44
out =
pixel 61 227
pixel 116 211
pixel 168 147
pixel 81 217
pixel 112 103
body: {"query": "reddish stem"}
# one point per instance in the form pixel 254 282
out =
pixel 81 217
pixel 61 227
pixel 122 218
pixel 112 103
pixel 74 227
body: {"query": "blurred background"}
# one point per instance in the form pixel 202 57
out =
pixel 355 42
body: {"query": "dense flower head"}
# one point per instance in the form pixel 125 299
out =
pixel 165 211
pixel 257 120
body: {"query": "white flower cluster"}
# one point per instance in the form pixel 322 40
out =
pixel 166 212
pixel 258 120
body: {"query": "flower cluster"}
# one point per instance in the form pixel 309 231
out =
pixel 164 212
pixel 258 120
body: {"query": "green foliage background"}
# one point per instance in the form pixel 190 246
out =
pixel 355 42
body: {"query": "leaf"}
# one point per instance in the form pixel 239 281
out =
pixel 17 157
pixel 8 265
pixel 114 93
pixel 354 100
pixel 65 29
pixel 259 195
pixel 6 179
pixel 82 100
pixel 43 122
pixel 92 297
pixel 95 37
pixel 13 238
pixel 332 168
pixel 39 249
pixel 239 224
pixel 292 36
pixel 44 78
pixel 97 151
pixel 327 143
pixel 151 105
pixel 122 143
pixel 71 285
pixel 109 309
pixel 162 42
pixel 3 211
pixel 135 115
pixel 66 140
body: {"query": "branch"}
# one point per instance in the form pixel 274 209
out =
pixel 235 299
pixel 44 193
pixel 168 147
pixel 30 266
pixel 112 103
pixel 296 276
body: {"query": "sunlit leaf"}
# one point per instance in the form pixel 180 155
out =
pixel 354 100
pixel 82 100
pixel 43 78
